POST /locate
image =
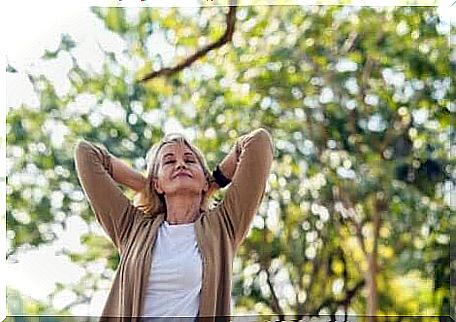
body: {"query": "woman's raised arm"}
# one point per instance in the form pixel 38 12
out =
pixel 253 158
pixel 129 177
pixel 112 208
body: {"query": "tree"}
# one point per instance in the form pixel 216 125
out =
pixel 358 101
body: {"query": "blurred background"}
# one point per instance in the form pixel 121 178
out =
pixel 360 102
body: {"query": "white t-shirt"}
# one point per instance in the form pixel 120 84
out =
pixel 176 273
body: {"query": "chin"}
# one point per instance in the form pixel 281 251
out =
pixel 184 189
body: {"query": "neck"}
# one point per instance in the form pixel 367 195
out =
pixel 182 209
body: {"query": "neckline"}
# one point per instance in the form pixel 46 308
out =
pixel 167 224
pixel 160 218
pixel 203 213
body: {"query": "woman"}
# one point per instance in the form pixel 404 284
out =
pixel 175 254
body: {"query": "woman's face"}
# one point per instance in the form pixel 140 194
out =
pixel 179 171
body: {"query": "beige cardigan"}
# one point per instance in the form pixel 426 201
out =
pixel 219 231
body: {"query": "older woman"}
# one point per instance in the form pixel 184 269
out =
pixel 176 254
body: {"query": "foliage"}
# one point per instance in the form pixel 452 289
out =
pixel 359 103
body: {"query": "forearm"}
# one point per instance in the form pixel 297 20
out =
pixel 94 168
pixel 254 153
pixel 229 163
pixel 124 174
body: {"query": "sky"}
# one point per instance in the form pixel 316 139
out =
pixel 35 272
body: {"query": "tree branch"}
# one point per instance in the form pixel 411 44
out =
pixel 339 196
pixel 226 37
pixel 344 302
pixel 302 307
pixel 380 207
pixel 82 299
pixel 275 300
pixel 349 42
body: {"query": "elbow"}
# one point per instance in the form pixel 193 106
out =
pixel 84 151
pixel 258 142
pixel 81 147
pixel 264 138
pixel 88 152
pixel 263 134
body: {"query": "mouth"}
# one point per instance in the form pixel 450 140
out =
pixel 182 174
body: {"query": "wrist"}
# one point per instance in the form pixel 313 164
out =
pixel 220 178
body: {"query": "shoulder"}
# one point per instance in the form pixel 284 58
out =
pixel 217 220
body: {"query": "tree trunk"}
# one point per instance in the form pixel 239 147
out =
pixel 371 287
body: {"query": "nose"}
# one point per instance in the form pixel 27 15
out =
pixel 180 164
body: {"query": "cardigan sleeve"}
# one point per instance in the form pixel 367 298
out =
pixel 244 194
pixel 112 209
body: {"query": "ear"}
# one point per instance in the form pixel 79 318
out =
pixel 157 186
pixel 206 186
